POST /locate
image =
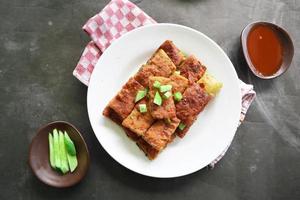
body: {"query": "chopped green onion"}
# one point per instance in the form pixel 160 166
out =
pixel 177 96
pixel 177 72
pixel 167 94
pixel 165 88
pixel 140 95
pixel 157 99
pixel 181 126
pixel 156 84
pixel 143 108
pixel 51 151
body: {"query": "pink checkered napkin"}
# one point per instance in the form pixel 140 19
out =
pixel 117 18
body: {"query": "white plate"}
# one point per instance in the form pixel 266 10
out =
pixel 209 135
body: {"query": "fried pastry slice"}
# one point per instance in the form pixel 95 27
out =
pixel 112 115
pixel 138 122
pixel 133 136
pixel 160 133
pixel 124 101
pixel 192 69
pixel 162 61
pixel 194 100
pixel 167 109
pixel 178 82
pixel 173 52
pixel 148 70
pixel 149 151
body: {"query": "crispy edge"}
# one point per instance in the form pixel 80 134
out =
pixel 138 122
pixel 148 70
pixel 173 52
pixel 179 83
pixel 192 69
pixel 162 61
pixel 149 151
pixel 124 102
pixel 194 101
pixel 160 133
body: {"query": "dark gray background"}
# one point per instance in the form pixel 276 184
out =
pixel 41 42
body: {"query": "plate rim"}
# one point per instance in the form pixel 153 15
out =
pixel 177 26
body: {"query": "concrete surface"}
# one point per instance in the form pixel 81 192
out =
pixel 41 42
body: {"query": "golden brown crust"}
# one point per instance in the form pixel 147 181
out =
pixel 138 122
pixel 111 114
pixel 173 52
pixel 193 102
pixel 142 76
pixel 179 83
pixel 160 133
pixel 192 69
pixel 124 101
pixel 149 151
pixel 133 136
pixel 162 61
pixel 167 109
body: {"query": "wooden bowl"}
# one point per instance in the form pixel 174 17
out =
pixel 287 44
pixel 39 156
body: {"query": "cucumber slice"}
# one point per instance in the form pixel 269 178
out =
pixel 63 155
pixel 72 160
pixel 70 147
pixel 71 152
pixel 51 151
pixel 56 149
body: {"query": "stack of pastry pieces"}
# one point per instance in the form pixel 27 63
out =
pixel 163 99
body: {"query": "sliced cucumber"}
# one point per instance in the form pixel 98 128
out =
pixel 70 147
pixel 51 151
pixel 56 149
pixel 64 160
pixel 71 152
pixel 72 160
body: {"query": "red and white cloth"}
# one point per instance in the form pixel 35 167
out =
pixel 119 17
pixel 116 18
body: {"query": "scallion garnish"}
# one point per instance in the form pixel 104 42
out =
pixel 167 94
pixel 165 88
pixel 177 96
pixel 140 95
pixel 156 84
pixel 181 126
pixel 157 99
pixel 143 108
